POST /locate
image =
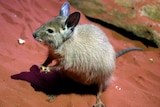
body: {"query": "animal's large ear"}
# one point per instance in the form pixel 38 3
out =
pixel 64 11
pixel 72 20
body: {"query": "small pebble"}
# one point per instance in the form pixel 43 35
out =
pixel 21 41
pixel 151 60
pixel 118 88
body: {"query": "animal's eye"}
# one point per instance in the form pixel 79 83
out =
pixel 50 31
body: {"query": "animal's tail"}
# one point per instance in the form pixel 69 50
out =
pixel 127 50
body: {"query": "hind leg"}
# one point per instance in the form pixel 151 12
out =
pixel 99 103
pixel 102 86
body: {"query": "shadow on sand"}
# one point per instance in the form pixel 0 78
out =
pixel 53 83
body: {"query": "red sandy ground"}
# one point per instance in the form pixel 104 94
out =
pixel 137 80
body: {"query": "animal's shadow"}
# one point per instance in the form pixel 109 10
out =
pixel 54 83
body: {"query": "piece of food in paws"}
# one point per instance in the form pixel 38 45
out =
pixel 43 68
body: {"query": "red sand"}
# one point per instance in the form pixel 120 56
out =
pixel 137 80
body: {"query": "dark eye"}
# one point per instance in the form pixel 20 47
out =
pixel 50 30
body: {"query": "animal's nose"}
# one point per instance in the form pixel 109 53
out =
pixel 34 35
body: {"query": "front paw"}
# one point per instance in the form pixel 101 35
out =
pixel 51 98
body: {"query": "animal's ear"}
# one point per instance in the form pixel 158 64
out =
pixel 64 11
pixel 72 20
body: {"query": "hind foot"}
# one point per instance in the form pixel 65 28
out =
pixel 99 105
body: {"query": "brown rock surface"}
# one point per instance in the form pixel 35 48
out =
pixel 137 16
pixel 137 75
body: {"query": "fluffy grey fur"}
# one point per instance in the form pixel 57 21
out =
pixel 87 54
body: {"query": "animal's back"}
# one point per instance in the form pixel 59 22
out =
pixel 87 55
